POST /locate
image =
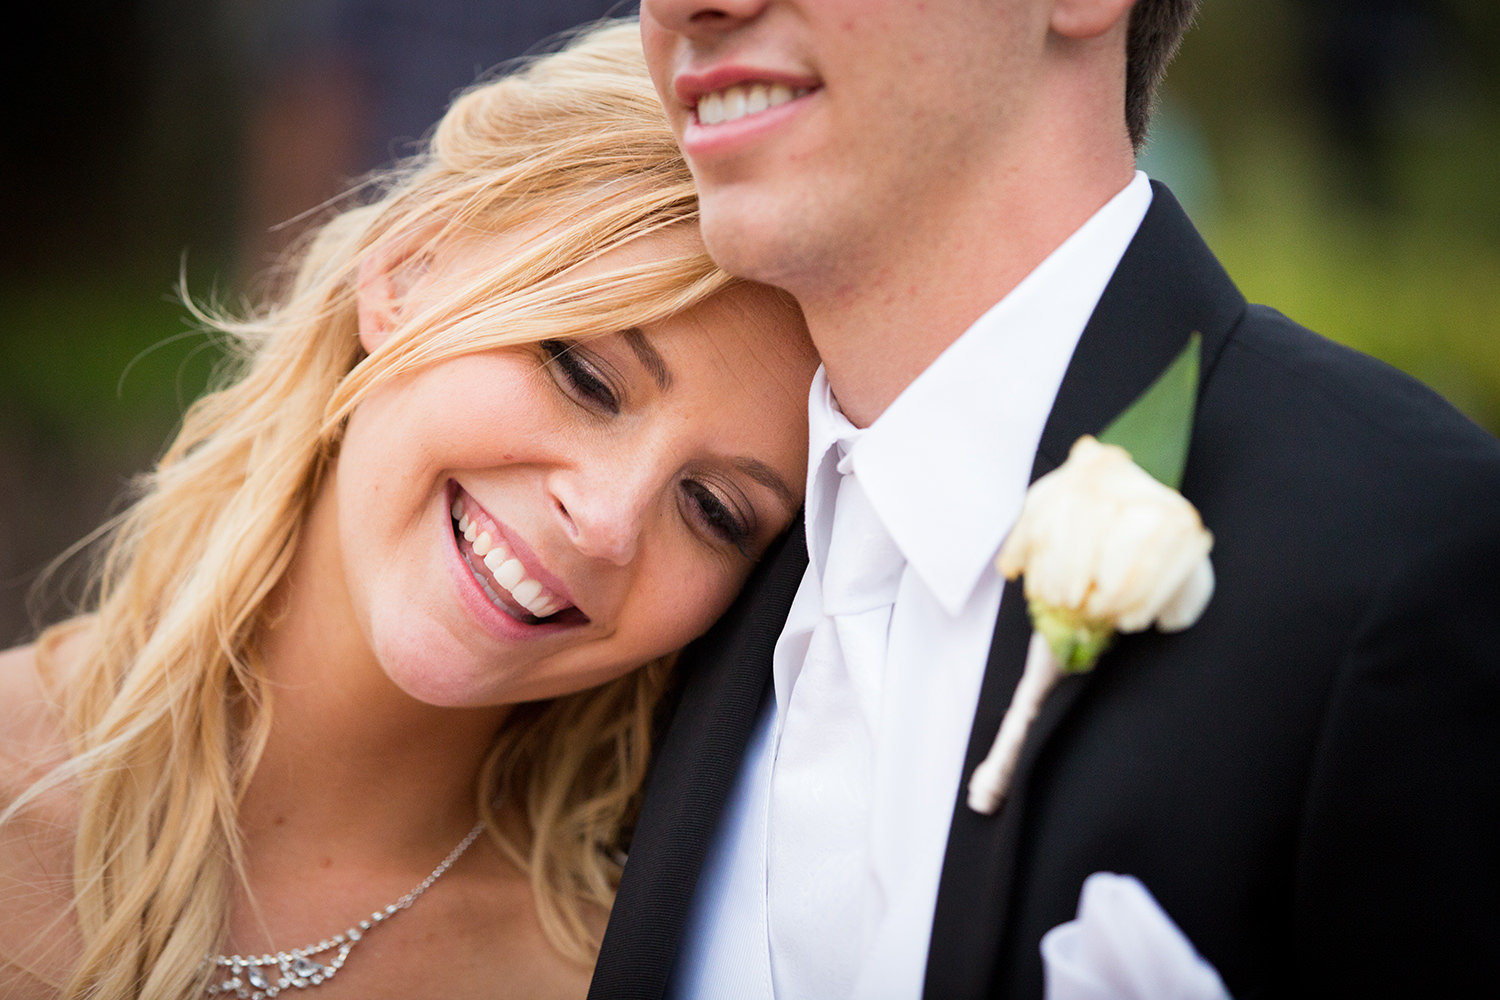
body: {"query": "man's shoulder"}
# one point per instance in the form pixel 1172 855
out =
pixel 1325 474
pixel 1369 392
pixel 1343 420
pixel 1273 386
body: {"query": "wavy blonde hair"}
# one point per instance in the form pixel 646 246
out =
pixel 168 713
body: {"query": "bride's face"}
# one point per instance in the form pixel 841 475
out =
pixel 528 522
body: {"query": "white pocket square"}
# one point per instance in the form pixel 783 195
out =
pixel 1123 946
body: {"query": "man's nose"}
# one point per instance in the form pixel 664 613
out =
pixel 603 515
pixel 700 17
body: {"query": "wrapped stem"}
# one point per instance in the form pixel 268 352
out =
pixel 991 779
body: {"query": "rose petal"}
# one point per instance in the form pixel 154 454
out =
pixel 1180 545
pixel 1188 604
pixel 1102 539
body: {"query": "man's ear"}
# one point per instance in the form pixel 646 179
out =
pixel 1083 19
pixel 383 282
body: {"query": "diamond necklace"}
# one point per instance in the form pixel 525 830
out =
pixel 259 977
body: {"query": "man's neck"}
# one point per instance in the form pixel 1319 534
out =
pixel 877 326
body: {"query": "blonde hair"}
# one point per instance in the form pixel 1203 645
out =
pixel 168 714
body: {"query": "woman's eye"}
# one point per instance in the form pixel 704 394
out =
pixel 716 516
pixel 579 377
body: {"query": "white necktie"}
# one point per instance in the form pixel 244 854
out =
pixel 818 882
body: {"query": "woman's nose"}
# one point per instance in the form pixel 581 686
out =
pixel 603 514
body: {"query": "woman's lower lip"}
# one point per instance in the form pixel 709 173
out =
pixel 700 141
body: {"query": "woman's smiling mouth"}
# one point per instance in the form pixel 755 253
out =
pixel 497 567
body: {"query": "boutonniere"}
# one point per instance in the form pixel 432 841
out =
pixel 1105 544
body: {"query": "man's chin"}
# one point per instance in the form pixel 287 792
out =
pixel 759 242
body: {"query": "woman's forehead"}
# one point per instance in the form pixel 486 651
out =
pixel 747 342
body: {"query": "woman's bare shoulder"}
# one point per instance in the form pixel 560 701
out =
pixel 36 930
pixel 32 737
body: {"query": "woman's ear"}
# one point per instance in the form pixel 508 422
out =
pixel 383 283
pixel 1083 19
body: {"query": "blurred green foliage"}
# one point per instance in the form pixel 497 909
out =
pixel 1408 271
pixel 107 364
pixel 94 377
pixel 1423 297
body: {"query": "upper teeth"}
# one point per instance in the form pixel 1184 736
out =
pixel 507 569
pixel 744 99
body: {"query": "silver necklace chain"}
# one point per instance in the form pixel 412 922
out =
pixel 260 977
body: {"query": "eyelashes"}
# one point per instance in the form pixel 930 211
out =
pixel 580 378
pixel 717 516
pixel 589 383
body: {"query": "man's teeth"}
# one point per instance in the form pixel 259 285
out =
pixel 744 99
pixel 508 571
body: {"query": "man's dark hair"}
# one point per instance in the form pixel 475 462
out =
pixel 1156 29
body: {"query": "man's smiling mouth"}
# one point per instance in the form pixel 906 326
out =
pixel 744 99
pixel 500 574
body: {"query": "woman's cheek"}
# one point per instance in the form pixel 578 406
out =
pixel 682 602
pixel 712 592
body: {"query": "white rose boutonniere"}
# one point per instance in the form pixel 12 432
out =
pixel 1105 544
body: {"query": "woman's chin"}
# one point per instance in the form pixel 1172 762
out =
pixel 445 683
pixel 436 668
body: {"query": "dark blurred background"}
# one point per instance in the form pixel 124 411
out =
pixel 1340 155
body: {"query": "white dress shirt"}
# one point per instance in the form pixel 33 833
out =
pixel 823 878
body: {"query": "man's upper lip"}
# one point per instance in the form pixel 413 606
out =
pixel 689 87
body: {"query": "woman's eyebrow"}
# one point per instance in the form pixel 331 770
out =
pixel 662 376
pixel 769 478
pixel 650 360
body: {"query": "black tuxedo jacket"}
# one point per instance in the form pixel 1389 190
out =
pixel 1308 779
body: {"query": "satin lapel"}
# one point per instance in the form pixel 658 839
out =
pixel 1168 284
pixel 727 674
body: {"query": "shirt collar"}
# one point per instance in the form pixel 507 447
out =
pixel 831 437
pixel 947 464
